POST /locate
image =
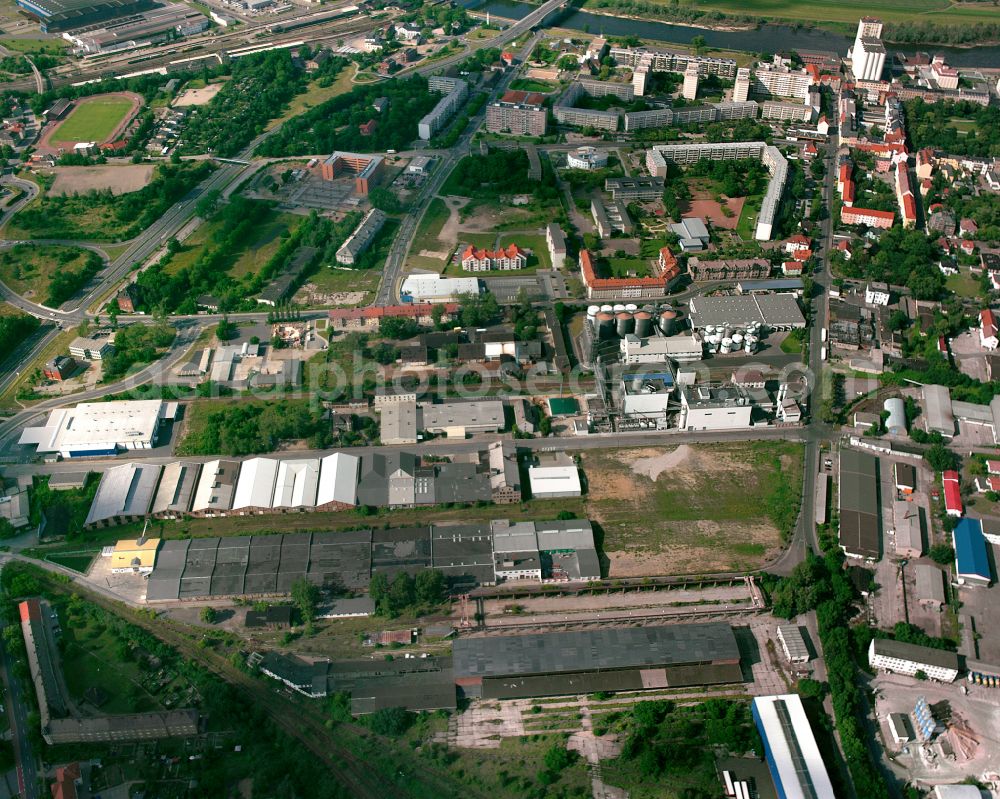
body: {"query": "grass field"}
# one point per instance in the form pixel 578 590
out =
pixel 315 95
pixel 93 120
pixel 77 561
pixel 253 255
pixel 747 225
pixel 963 284
pixel 845 15
pixel 28 269
pixel 532 85
pixel 710 508
pixel 48 46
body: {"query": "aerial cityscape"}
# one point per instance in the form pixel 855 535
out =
pixel 499 398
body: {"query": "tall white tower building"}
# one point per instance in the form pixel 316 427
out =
pixel 741 88
pixel 868 54
pixel 690 89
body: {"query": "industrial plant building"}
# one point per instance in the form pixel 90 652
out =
pixel 100 428
pixel 770 311
pixel 790 748
pixel 900 657
pixel 860 523
pixel 610 659
pixel 467 554
pixel 59 15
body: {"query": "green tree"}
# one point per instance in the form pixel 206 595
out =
pixel 943 554
pixel 209 615
pixel 306 596
pixel 699 44
pixel 429 586
pixel 226 330
pixel 940 458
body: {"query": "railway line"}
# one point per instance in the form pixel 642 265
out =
pixel 300 721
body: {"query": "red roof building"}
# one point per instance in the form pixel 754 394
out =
pixel 629 287
pixel 420 312
pixel 368 128
pixel 845 183
pixel 952 494
pixel 513 97
pixel 792 268
pixel 797 242
pixel 503 259
pixel 867 216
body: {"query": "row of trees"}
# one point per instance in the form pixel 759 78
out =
pixel 14 329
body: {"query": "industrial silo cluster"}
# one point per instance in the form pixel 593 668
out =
pixel 611 321
pixel 724 339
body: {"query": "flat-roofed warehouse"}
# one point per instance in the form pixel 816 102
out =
pixel 773 311
pixel 260 565
pixel 860 527
pixel 57 15
pixel 615 659
pixel 100 428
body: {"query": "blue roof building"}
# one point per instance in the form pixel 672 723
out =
pixel 972 562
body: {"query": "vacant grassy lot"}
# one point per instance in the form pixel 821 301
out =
pixel 963 284
pixel 254 253
pixel 28 269
pixel 93 120
pixel 94 665
pixel 747 225
pixel 316 94
pixel 843 15
pixel 695 509
pixel 49 46
pixel 532 85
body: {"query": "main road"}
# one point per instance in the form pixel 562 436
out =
pixel 17 715
pixel 388 290
pixel 804 539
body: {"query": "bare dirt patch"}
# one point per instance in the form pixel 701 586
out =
pixel 202 96
pixel 120 179
pixel 694 509
pixel 654 466
pixel 707 208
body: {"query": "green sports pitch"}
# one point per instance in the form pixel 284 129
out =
pixel 93 120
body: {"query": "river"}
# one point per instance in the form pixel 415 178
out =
pixel 764 39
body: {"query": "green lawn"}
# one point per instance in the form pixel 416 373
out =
pixel 747 224
pixel 963 284
pixel 628 267
pixel 846 14
pixel 255 253
pixel 532 85
pixel 78 562
pixel 530 241
pixel 92 120
pixel 49 46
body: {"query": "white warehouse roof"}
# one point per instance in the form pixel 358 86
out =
pixel 554 480
pixel 255 487
pixel 338 479
pixel 125 490
pixel 435 287
pixel 99 427
pixel 793 755
pixel 296 484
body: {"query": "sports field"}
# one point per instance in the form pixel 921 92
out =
pixel 93 120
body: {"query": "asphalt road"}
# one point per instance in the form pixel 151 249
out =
pixel 17 714
pixel 638 438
